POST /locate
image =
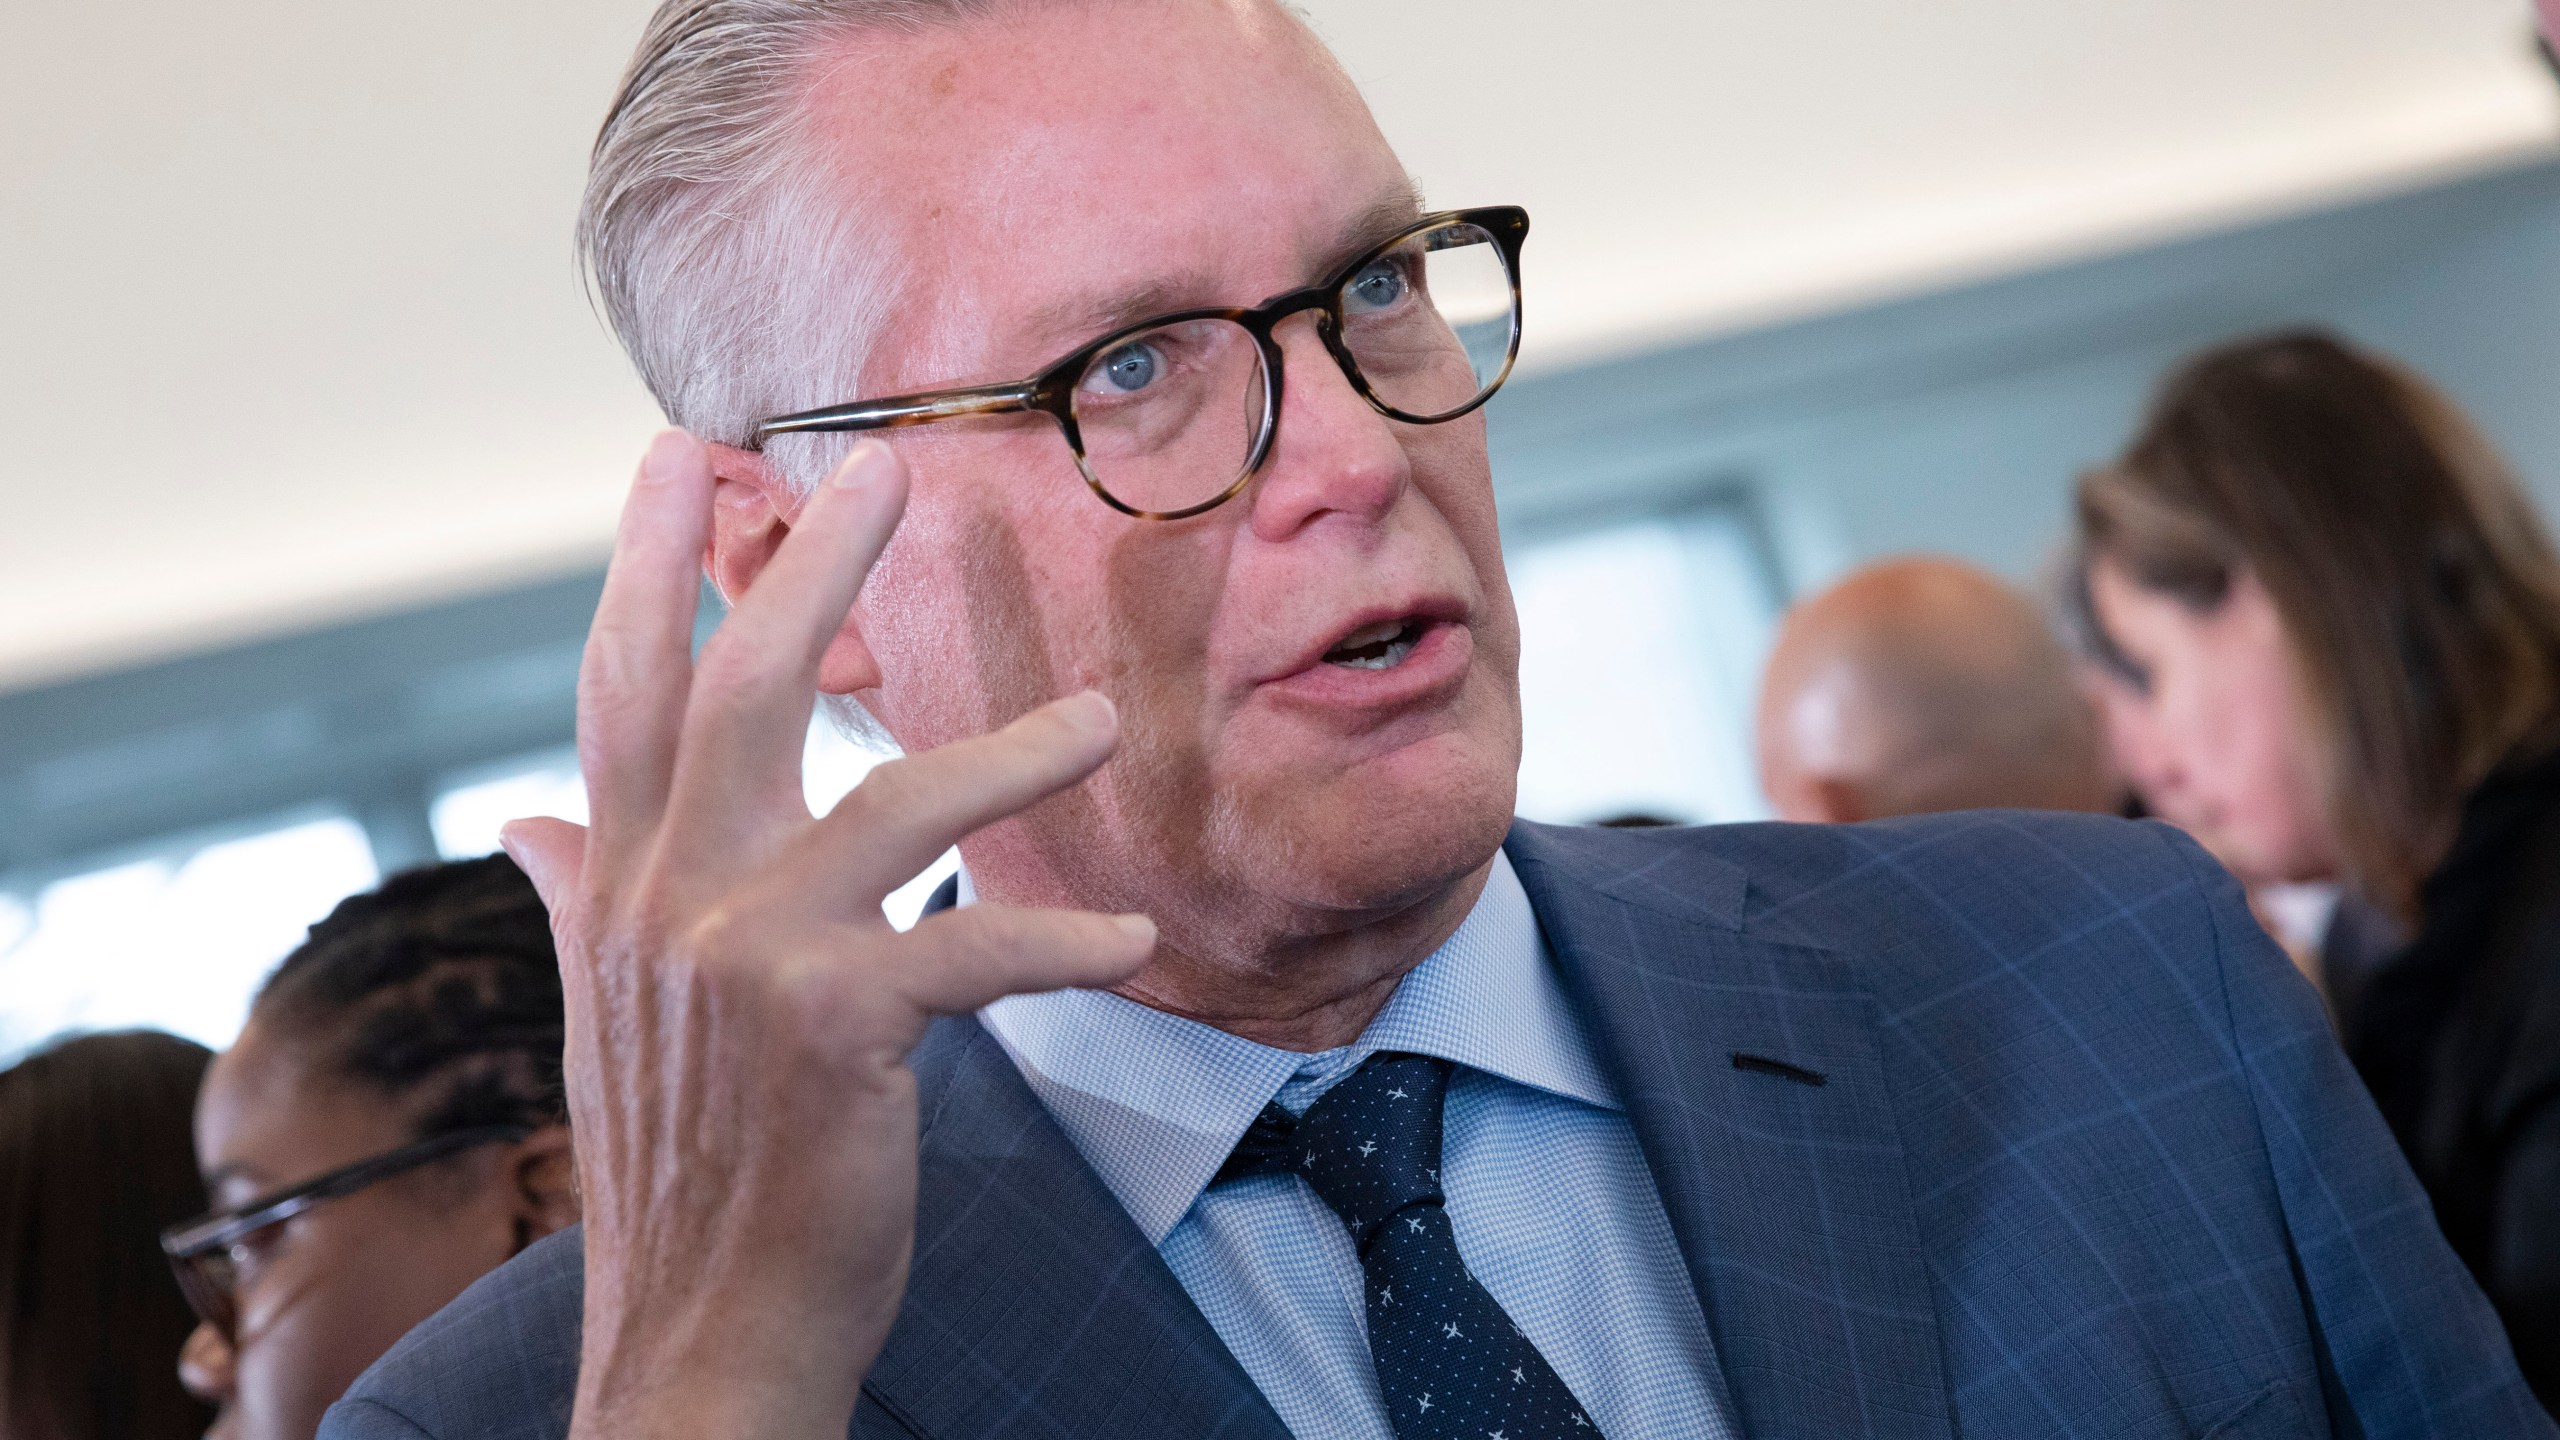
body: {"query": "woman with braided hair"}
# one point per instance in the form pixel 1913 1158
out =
pixel 388 1128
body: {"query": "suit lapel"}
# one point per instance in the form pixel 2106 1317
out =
pixel 1788 1197
pixel 1035 1307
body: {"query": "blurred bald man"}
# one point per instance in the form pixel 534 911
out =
pixel 1920 685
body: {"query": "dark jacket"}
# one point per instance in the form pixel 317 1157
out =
pixel 2459 1039
pixel 2055 1143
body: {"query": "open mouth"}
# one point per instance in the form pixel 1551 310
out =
pixel 1382 646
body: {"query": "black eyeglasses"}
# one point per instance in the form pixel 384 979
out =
pixel 1171 416
pixel 206 1252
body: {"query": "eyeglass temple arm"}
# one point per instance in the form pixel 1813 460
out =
pixel 196 1236
pixel 897 410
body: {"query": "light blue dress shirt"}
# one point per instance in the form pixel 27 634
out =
pixel 1554 1208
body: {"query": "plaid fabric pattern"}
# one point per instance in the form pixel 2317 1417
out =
pixel 1986 1126
pixel 2085 1160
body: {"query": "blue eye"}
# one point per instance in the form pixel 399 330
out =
pixel 1129 368
pixel 1377 287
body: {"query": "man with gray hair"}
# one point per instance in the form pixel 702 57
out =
pixel 1264 1078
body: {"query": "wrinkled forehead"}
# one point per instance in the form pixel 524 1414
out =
pixel 1064 168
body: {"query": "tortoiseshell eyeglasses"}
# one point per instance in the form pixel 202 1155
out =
pixel 1172 416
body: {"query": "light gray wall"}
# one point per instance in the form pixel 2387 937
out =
pixel 2481 314
pixel 1957 422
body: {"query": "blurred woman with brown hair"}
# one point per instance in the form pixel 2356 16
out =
pixel 2333 626
pixel 95 1157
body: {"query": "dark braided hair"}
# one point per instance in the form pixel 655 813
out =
pixel 440 989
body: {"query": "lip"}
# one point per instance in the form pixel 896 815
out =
pixel 1429 608
pixel 1437 663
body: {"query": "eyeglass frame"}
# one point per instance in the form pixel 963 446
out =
pixel 1052 390
pixel 187 1243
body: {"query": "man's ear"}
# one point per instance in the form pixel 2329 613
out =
pixel 752 508
pixel 543 1184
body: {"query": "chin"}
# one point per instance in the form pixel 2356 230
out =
pixel 1391 829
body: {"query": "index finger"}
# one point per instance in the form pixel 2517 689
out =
pixel 638 664
pixel 748 715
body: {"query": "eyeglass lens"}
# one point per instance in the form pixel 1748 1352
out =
pixel 1430 322
pixel 1171 417
pixel 212 1285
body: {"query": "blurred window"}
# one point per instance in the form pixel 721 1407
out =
pixel 175 940
pixel 1640 654
pixel 468 813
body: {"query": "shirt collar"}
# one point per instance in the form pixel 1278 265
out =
pixel 1155 1102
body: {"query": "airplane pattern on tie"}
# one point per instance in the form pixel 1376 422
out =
pixel 1451 1364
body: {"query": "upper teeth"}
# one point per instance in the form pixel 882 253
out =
pixel 1375 647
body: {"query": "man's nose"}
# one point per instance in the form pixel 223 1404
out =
pixel 205 1366
pixel 1332 454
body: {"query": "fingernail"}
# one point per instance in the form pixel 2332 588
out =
pixel 1091 711
pixel 1136 927
pixel 667 454
pixel 860 465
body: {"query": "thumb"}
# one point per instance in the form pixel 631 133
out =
pixel 552 853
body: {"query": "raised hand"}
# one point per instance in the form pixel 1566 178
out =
pixel 740 1012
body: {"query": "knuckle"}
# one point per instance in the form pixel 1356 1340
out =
pixel 717 940
pixel 891 790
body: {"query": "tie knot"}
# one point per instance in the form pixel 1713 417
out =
pixel 1370 1147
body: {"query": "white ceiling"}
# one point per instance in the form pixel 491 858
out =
pixel 289 327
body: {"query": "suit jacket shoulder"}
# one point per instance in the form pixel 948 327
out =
pixel 1035 1310
pixel 499 1363
pixel 2089 926
pixel 2038 1124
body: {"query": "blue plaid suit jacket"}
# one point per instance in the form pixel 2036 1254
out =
pixel 1987 1125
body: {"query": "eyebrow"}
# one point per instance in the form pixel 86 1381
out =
pixel 1075 320
pixel 1376 224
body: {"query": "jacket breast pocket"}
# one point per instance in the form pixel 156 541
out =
pixel 2271 1414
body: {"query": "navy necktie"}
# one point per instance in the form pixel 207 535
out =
pixel 1450 1362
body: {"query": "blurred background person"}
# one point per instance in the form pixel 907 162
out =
pixel 388 1128
pixel 95 1157
pixel 2335 621
pixel 1924 684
